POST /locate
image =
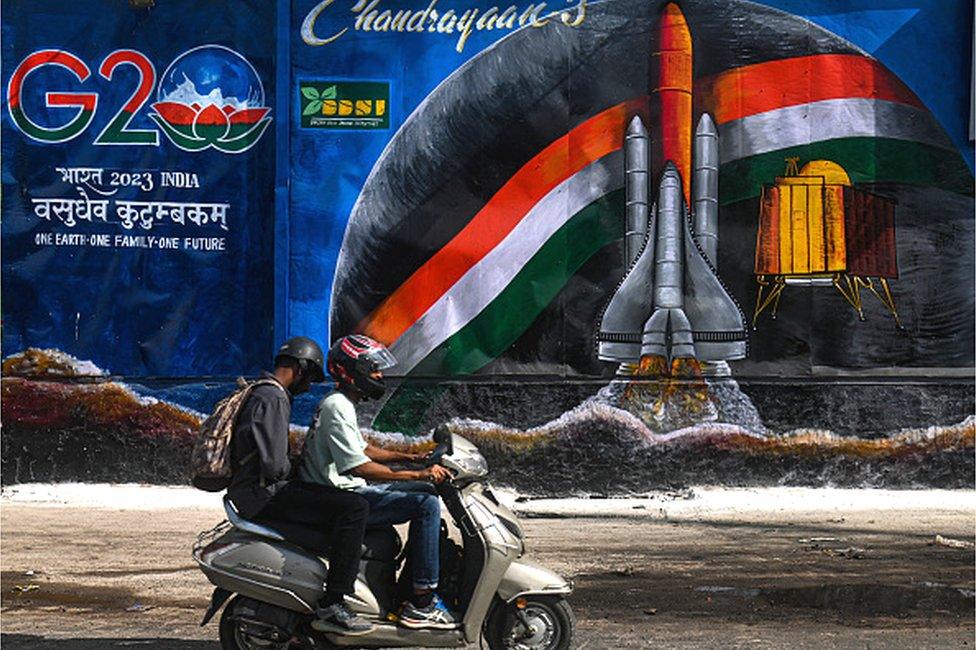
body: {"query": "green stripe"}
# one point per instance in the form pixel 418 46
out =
pixel 866 160
pixel 405 409
pixel 507 317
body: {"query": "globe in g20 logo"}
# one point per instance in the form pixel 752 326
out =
pixel 209 96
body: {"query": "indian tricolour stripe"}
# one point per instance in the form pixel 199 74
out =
pixel 841 107
pixel 479 293
pixel 532 289
pixel 588 142
pixel 489 277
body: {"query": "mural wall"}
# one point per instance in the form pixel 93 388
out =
pixel 727 241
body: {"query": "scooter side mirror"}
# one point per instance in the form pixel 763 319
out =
pixel 443 437
pixel 442 434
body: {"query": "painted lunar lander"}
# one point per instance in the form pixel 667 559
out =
pixel 816 229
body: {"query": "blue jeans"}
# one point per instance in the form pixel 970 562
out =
pixel 418 503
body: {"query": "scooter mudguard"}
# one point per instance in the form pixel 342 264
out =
pixel 218 598
pixel 523 579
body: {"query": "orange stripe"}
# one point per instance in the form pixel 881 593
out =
pixel 588 142
pixel 762 87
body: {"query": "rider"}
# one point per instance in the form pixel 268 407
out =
pixel 329 521
pixel 336 454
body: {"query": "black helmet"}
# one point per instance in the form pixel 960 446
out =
pixel 308 354
pixel 353 358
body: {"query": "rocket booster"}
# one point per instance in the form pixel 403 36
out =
pixel 705 187
pixel 637 186
pixel 671 94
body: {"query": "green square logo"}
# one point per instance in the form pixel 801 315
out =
pixel 345 104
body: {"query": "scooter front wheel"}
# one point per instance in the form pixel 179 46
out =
pixel 542 623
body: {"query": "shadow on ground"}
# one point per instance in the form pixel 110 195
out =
pixel 27 641
pixel 841 603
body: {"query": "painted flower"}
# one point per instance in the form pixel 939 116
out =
pixel 194 128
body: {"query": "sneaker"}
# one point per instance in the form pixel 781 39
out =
pixel 434 616
pixel 339 619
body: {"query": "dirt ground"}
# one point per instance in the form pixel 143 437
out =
pixel 80 578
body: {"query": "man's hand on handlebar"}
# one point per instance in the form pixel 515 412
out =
pixel 436 474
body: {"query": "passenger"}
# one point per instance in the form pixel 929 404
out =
pixel 324 519
pixel 336 454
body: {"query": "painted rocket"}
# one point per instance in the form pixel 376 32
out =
pixel 671 304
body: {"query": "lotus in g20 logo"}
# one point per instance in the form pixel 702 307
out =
pixel 210 96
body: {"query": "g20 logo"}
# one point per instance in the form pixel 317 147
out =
pixel 209 96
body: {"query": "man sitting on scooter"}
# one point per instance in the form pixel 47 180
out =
pixel 328 521
pixel 337 454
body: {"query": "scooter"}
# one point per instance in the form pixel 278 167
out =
pixel 498 598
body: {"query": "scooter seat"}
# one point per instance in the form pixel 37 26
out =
pixel 249 526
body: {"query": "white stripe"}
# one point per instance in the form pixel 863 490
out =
pixel 827 120
pixel 484 281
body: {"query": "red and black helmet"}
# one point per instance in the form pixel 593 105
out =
pixel 353 358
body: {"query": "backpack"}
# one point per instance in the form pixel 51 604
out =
pixel 210 466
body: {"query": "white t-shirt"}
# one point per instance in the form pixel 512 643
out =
pixel 334 445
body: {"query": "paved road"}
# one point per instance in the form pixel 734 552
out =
pixel 795 578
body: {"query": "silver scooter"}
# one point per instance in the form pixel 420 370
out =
pixel 506 602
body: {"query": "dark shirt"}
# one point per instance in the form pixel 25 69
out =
pixel 261 427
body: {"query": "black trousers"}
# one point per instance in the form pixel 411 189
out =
pixel 325 520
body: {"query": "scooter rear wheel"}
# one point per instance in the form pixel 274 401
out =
pixel 545 623
pixel 233 634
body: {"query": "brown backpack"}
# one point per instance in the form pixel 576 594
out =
pixel 210 467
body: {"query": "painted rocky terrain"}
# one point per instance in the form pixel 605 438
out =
pixel 66 420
